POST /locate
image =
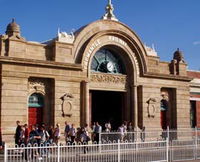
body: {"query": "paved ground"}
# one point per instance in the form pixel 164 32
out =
pixel 2 159
pixel 191 161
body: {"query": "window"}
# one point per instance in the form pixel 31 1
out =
pixel 36 100
pixel 106 61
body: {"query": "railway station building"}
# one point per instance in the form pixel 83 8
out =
pixel 101 72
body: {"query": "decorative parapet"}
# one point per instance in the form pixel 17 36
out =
pixel 65 37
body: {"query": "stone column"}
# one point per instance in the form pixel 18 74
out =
pixel 135 104
pixel 85 103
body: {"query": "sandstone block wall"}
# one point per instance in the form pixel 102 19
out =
pixel 151 88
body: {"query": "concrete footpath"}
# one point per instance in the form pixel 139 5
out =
pixel 190 161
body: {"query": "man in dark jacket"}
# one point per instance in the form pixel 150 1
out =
pixel 1 142
pixel 17 133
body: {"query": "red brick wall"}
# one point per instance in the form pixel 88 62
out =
pixel 197 109
pixel 193 74
pixel 198 113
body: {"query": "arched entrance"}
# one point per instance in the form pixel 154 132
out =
pixel 107 106
pixel 112 62
pixel 35 109
pixel 108 88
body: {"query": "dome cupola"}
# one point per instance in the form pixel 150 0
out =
pixel 13 28
pixel 178 56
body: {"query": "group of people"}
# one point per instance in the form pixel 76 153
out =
pixel 38 134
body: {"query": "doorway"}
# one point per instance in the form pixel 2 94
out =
pixel 168 113
pixel 107 106
pixel 193 121
pixel 35 109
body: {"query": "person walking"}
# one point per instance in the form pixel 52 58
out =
pixel 57 133
pixel 66 133
pixel 22 136
pixel 1 142
pixel 84 139
pixel 26 134
pixel 72 133
pixel 51 134
pixel 97 131
pixel 33 136
pixel 130 132
pixel 17 133
pixel 108 127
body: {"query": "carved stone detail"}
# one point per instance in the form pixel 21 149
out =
pixel 109 15
pixel 151 108
pixel 109 78
pixel 136 63
pixel 36 85
pixel 67 106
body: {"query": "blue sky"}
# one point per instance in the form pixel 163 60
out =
pixel 168 24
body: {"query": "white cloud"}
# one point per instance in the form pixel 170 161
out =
pixel 196 43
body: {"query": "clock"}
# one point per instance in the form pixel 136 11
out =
pixel 106 61
pixel 110 66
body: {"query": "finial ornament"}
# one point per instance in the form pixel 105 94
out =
pixel 109 15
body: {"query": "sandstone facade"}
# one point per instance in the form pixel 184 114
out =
pixel 60 70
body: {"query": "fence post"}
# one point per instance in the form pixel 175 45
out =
pixel 58 155
pixel 136 134
pixel 100 145
pixel 5 153
pixel 167 151
pixel 118 150
pixel 99 136
pixel 168 132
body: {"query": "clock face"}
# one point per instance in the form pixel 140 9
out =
pixel 106 61
pixel 110 66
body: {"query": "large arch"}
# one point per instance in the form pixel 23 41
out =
pixel 86 36
pixel 111 40
pixel 112 92
pixel 115 36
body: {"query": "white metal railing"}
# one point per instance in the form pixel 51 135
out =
pixel 198 148
pixel 149 135
pixel 183 150
pixel 109 152
pixel 181 145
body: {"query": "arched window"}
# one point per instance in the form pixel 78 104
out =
pixel 107 61
pixel 36 100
